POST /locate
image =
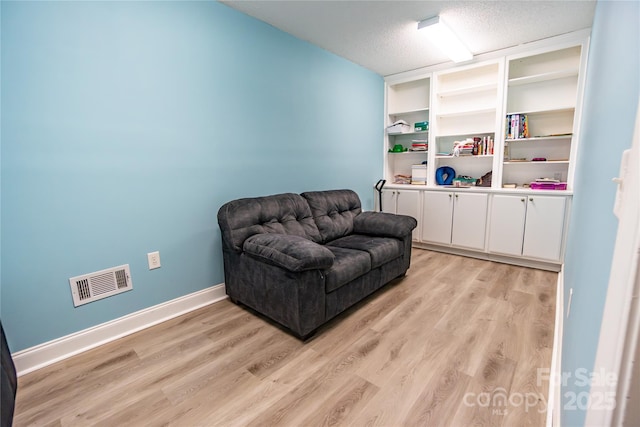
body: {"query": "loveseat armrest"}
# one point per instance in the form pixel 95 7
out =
pixel 293 253
pixel 384 224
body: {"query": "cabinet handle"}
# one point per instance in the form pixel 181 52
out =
pixel 522 200
pixel 449 195
pixel 531 199
pixel 456 196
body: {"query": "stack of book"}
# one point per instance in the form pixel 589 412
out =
pixel 548 184
pixel 517 126
pixel 419 145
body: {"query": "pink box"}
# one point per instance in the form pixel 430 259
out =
pixel 548 185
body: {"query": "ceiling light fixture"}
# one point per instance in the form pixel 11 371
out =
pixel 444 39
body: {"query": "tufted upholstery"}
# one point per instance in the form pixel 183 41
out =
pixel 333 212
pixel 302 259
pixel 281 214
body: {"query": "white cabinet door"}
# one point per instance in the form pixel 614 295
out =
pixel 506 225
pixel 469 220
pixel 389 201
pixel 403 202
pixel 408 203
pixel 544 227
pixel 437 214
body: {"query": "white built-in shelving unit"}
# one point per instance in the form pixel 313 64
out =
pixel 508 220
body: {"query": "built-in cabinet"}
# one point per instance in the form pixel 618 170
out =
pixel 541 84
pixel 454 218
pixel 525 228
pixel 527 225
pixel 403 202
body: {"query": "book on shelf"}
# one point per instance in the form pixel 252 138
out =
pixel 517 126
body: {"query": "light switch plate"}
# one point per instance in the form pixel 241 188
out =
pixel 154 260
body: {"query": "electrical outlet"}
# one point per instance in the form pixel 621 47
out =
pixel 154 260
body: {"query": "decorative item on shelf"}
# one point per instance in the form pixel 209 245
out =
pixel 402 179
pixel 464 181
pixel 445 175
pixel 399 127
pixel 539 159
pixel 421 126
pixel 398 148
pixel 485 180
pixel 463 148
pixel 509 185
pixel 475 146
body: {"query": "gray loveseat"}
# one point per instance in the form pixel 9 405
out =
pixel 303 259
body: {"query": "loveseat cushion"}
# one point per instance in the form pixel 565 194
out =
pixel 349 264
pixel 380 249
pixel 384 224
pixel 286 213
pixel 293 253
pixel 333 212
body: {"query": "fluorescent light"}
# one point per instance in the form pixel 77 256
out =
pixel 444 39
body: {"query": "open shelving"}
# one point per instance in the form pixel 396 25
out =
pixel 408 101
pixel 468 101
pixel 544 88
pixel 466 106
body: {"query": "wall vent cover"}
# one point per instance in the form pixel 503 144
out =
pixel 101 284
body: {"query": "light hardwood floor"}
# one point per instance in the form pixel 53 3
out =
pixel 457 342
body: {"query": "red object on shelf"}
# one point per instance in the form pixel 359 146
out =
pixel 548 185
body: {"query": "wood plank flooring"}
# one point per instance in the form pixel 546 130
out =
pixel 457 342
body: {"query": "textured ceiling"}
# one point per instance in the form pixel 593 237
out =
pixel 382 35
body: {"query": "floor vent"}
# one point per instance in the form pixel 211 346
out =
pixel 101 284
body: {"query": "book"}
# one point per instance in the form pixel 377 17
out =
pixel 525 126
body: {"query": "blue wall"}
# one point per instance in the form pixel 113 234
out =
pixel 611 100
pixel 125 125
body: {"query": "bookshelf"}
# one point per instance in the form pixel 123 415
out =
pixel 543 88
pixel 466 105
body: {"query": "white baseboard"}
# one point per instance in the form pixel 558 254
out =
pixel 45 354
pixel 554 396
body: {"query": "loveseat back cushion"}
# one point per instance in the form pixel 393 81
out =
pixel 333 212
pixel 286 213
